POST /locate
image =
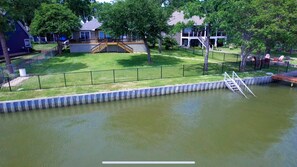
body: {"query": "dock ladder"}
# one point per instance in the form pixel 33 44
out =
pixel 234 84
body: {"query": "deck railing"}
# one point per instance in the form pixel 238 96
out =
pixel 97 40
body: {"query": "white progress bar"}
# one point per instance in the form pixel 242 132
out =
pixel 148 162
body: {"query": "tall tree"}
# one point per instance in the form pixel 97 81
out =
pixel 207 9
pixel 254 25
pixel 25 8
pixel 81 8
pixel 10 12
pixel 8 15
pixel 54 18
pixel 145 19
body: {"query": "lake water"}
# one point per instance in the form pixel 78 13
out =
pixel 213 128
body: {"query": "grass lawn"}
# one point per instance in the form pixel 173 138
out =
pixel 37 47
pixel 228 50
pixel 115 86
pixel 18 60
pixel 78 62
pixel 131 71
pixel 44 46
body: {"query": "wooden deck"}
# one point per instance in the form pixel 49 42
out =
pixel 290 79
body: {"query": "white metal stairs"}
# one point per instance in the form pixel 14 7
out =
pixel 234 84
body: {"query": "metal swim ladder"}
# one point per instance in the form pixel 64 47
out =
pixel 234 86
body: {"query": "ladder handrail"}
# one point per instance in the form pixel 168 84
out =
pixel 225 79
pixel 241 81
pixel 226 75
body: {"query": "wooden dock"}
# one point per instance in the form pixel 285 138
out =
pixel 281 77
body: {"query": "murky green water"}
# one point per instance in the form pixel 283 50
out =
pixel 214 128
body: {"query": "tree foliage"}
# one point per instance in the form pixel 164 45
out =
pixel 24 9
pixel 56 19
pixel 169 42
pixel 255 25
pixel 206 9
pixel 145 19
pixel 10 12
pixel 251 24
pixel 81 8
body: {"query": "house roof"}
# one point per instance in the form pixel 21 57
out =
pixel 23 28
pixel 91 25
pixel 180 17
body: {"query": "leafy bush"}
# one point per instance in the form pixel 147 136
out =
pixel 169 42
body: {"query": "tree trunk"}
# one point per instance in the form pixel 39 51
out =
pixel 149 60
pixel 245 50
pixel 160 45
pixel 243 55
pixel 207 43
pixel 60 47
pixel 5 53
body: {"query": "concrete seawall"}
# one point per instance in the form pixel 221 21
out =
pixel 64 101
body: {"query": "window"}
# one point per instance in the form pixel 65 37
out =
pixel 85 35
pixel 27 43
pixel 187 30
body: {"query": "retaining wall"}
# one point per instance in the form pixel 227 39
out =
pixel 81 48
pixel 64 101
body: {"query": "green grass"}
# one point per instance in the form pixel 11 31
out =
pixel 38 47
pixel 44 46
pixel 228 50
pixel 25 94
pixel 20 59
pixel 114 71
pixel 78 62
pixel 197 54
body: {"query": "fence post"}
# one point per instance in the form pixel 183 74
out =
pixel 222 67
pixel 8 79
pixel 224 57
pixel 203 68
pixel 161 72
pixel 137 73
pixel 287 69
pixel 91 75
pixel 114 80
pixel 183 70
pixel 39 83
pixel 65 80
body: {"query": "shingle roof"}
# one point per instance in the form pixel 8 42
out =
pixel 180 17
pixel 91 25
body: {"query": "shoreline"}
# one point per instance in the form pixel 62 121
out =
pixel 100 97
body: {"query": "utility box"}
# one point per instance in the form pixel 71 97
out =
pixel 23 72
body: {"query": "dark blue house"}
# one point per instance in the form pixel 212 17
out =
pixel 18 41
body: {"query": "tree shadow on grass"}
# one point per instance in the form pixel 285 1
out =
pixel 74 54
pixel 141 60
